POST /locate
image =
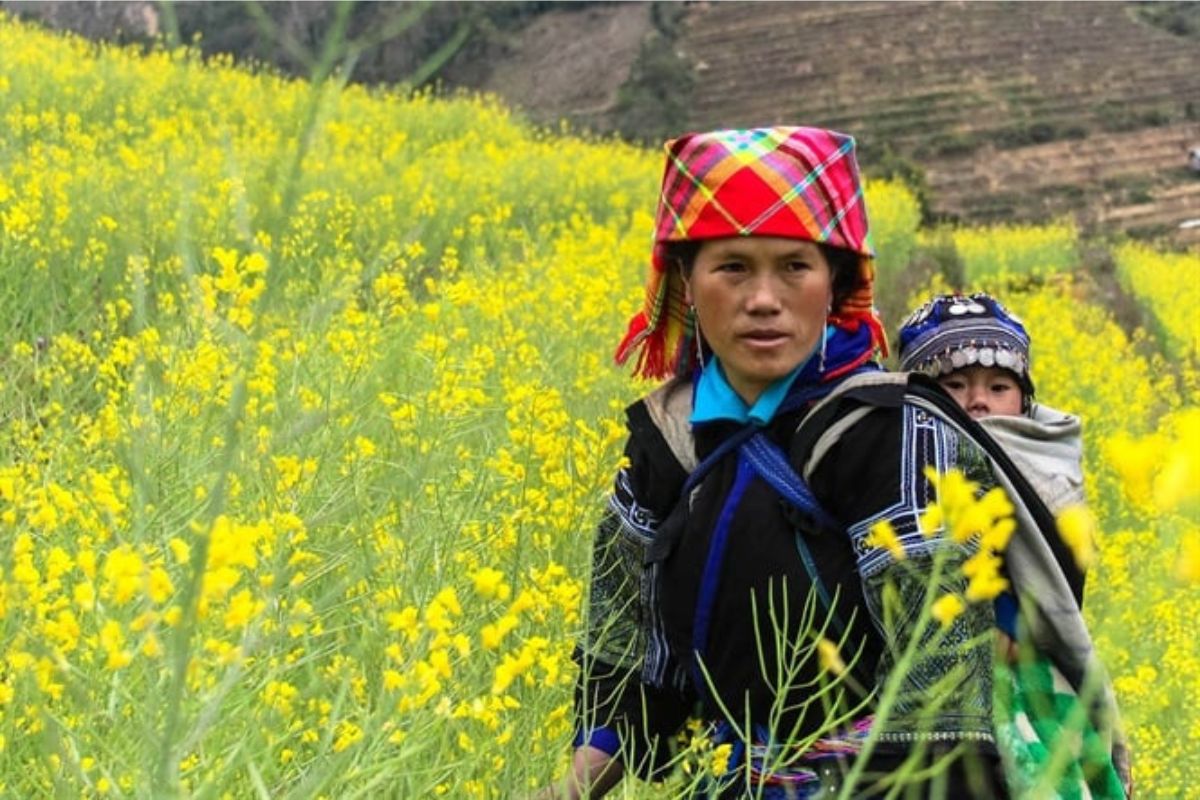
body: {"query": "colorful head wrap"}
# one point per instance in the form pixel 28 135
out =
pixel 953 331
pixel 799 183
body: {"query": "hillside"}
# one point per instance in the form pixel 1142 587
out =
pixel 994 111
pixel 1013 111
pixel 997 112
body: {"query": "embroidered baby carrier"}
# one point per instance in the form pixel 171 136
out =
pixel 1064 670
pixel 1039 562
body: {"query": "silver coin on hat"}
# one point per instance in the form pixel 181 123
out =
pixel 1005 358
pixel 987 357
pixel 958 308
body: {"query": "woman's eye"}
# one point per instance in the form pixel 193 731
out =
pixel 798 266
pixel 731 266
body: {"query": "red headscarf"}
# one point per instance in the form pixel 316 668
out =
pixel 799 183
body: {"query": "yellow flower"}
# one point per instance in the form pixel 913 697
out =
pixel 996 503
pixel 1189 558
pixel 1136 462
pixel 122 573
pixel 997 536
pixel 64 630
pixel 829 657
pixel 158 585
pixel 180 550
pixel 242 608
pixel 347 734
pixel 719 760
pixel 489 583
pixel 954 491
pixel 983 573
pixel 84 595
pixel 931 521
pixel 112 640
pixel 491 635
pixel 289 470
pixel 947 608
pixel 151 647
pixel 405 621
pixel 883 535
pixel 968 521
pixel 1078 528
pixel 986 586
pixel 364 446
pixel 1177 485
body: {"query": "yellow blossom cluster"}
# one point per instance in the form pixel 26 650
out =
pixel 980 521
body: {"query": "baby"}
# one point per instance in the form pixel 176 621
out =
pixel 979 353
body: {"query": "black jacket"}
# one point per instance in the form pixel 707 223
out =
pixel 638 675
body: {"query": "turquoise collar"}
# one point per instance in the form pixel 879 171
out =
pixel 715 398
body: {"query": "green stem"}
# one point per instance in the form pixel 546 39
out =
pixel 891 690
pixel 166 776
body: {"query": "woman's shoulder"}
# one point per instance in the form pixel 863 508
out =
pixel 659 422
pixel 861 407
pixel 660 451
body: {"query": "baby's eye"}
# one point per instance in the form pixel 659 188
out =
pixel 953 384
pixel 1001 388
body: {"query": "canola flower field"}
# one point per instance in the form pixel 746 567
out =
pixel 308 410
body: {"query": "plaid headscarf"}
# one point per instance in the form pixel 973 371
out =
pixel 799 183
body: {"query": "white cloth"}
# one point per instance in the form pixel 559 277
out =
pixel 1048 449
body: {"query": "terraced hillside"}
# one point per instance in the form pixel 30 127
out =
pixel 1135 181
pixel 1014 110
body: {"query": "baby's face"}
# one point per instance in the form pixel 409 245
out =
pixel 984 391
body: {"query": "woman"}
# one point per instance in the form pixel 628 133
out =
pixel 713 576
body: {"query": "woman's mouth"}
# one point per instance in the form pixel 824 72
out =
pixel 764 338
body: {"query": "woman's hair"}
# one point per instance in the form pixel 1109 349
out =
pixel 843 265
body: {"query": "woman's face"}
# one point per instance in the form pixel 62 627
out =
pixel 761 302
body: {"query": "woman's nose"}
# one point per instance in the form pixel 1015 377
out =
pixel 763 297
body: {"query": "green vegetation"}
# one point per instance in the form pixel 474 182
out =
pixel 1176 16
pixel 653 104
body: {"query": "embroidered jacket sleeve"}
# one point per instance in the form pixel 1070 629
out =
pixel 875 473
pixel 614 710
